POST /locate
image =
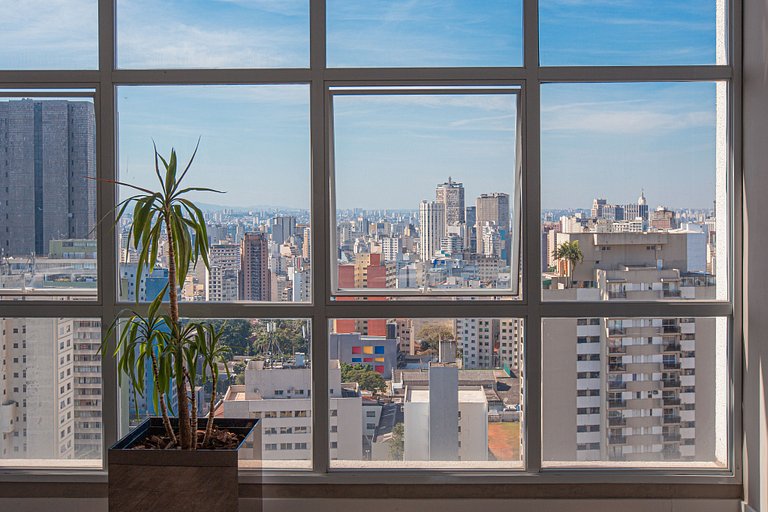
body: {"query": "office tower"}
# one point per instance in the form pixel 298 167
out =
pixel 49 154
pixel 282 228
pixel 470 242
pixel 221 279
pixel 432 225
pixel 86 340
pixel 254 271
pixel 597 208
pixel 492 210
pixel 451 194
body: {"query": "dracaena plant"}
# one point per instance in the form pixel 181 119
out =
pixel 159 340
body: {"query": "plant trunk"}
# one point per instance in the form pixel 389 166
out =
pixel 193 406
pixel 209 424
pixel 163 407
pixel 185 434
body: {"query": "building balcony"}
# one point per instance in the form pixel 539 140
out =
pixel 617 385
pixel 617 439
pixel 617 403
pixel 671 401
pixel 643 403
pixel 617 422
pixel 670 383
pixel 617 367
pixel 643 385
pixel 644 421
pixel 672 366
pixel 672 438
pixel 671 347
pixel 671 420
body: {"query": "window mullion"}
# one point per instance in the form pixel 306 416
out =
pixel 320 246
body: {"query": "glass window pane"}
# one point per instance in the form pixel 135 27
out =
pixel 634 201
pixel 398 33
pixel 269 378
pixel 649 32
pixel 44 34
pixel 51 409
pixel 635 392
pixel 426 191
pixel 254 146
pixel 425 393
pixel 203 34
pixel 47 198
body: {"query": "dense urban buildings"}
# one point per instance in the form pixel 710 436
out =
pixel 409 390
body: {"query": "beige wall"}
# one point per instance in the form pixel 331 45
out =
pixel 755 165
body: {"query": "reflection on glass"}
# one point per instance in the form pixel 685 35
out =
pixel 48 193
pixel 51 410
pixel 202 34
pixel 635 391
pixel 397 33
pixel 40 34
pixel 410 392
pixel 652 32
pixel 425 191
pixel 254 146
pixel 634 203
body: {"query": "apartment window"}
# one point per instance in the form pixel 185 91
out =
pixel 378 187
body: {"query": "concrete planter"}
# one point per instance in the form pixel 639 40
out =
pixel 174 480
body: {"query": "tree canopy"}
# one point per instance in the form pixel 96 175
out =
pixel 365 376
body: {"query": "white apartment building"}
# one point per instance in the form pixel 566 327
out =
pixel 51 389
pixel 281 397
pixel 221 278
pixel 445 422
pixel 431 228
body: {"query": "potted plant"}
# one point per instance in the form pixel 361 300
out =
pixel 183 462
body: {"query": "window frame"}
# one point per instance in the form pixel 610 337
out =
pixel 531 308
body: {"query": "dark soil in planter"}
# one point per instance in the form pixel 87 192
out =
pixel 220 439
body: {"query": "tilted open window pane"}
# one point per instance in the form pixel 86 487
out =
pixel 649 32
pixel 45 34
pixel 202 34
pixel 47 196
pixel 635 392
pixel 51 408
pixel 426 191
pixel 254 146
pixel 425 392
pixel 269 378
pixel 400 33
pixel 634 191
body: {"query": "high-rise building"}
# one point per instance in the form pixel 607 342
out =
pixel 49 150
pixel 451 194
pixel 51 383
pixel 492 210
pixel 282 228
pixel 254 271
pixel 432 225
pixel 221 279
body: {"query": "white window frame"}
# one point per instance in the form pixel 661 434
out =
pixel 531 308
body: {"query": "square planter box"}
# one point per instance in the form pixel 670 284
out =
pixel 175 480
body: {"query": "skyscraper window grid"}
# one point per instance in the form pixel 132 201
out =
pixel 531 308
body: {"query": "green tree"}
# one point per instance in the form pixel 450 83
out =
pixel 432 334
pixel 284 337
pixel 365 376
pixel 397 442
pixel 571 253
pixel 236 334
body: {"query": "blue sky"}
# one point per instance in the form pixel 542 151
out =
pixel 615 138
